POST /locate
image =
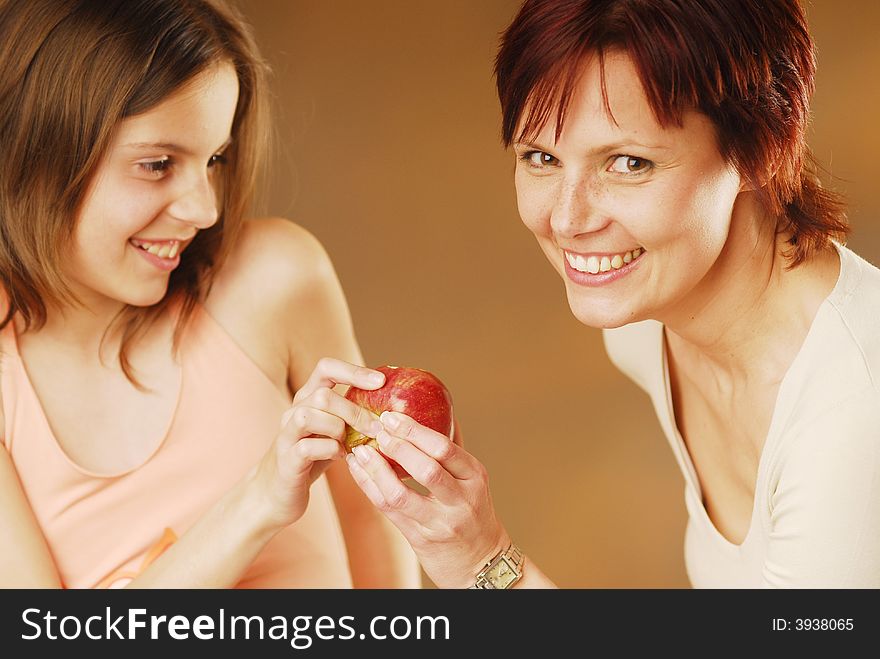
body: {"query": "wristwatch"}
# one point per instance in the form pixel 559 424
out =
pixel 502 571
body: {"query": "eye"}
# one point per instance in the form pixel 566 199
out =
pixel 156 167
pixel 217 159
pixel 539 159
pixel 629 165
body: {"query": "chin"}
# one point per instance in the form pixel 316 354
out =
pixel 604 314
pixel 146 298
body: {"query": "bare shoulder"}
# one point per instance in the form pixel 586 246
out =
pixel 277 276
pixel 275 261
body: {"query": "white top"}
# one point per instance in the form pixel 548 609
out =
pixel 816 514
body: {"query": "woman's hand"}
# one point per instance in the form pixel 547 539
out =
pixel 311 436
pixel 453 530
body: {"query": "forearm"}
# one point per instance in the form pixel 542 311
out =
pixel 533 577
pixel 218 548
pixel 379 556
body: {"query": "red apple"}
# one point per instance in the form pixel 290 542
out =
pixel 412 391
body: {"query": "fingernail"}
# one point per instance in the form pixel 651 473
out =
pixel 376 378
pixel 389 420
pixel 362 454
pixel 383 438
pixel 349 459
pixel 375 428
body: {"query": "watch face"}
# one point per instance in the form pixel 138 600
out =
pixel 502 574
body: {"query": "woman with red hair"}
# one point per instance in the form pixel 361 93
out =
pixel 663 169
pixel 152 333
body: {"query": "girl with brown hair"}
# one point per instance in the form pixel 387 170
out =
pixel 151 338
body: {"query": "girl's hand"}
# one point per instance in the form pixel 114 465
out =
pixel 311 436
pixel 453 530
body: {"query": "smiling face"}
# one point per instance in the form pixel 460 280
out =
pixel 633 215
pixel 153 191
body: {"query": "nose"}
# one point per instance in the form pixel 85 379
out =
pixel 196 204
pixel 577 209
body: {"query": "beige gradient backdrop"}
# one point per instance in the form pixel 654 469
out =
pixel 388 133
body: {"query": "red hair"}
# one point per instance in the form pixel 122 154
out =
pixel 748 66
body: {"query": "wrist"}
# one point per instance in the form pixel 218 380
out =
pixel 502 543
pixel 502 571
pixel 256 507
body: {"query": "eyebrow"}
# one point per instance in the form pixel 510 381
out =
pixel 603 148
pixel 171 146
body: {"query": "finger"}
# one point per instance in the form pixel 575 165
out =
pixel 304 421
pixel 354 415
pixel 363 480
pixel 453 457
pixel 374 494
pixel 301 456
pixel 329 372
pixel 423 468
pixel 396 497
pixel 314 449
pixel 456 433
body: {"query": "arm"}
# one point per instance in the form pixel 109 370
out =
pixel 304 303
pixel 213 553
pixel 216 550
pixel 317 323
pixel 378 554
pixel 25 561
pixel 455 530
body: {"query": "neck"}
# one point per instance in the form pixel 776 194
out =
pixel 749 316
pixel 80 328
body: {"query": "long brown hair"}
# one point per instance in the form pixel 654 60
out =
pixel 70 71
pixel 749 66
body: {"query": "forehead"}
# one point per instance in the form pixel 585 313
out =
pixel 202 109
pixel 608 103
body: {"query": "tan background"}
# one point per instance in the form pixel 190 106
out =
pixel 390 153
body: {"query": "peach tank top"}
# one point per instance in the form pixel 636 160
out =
pixel 104 529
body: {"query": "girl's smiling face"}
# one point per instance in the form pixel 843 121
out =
pixel 633 215
pixel 152 192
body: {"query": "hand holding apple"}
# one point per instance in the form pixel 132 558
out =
pixel 453 528
pixel 411 391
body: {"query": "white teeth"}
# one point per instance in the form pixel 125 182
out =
pixel 163 250
pixel 596 264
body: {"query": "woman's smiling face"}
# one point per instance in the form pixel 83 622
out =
pixel 633 215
